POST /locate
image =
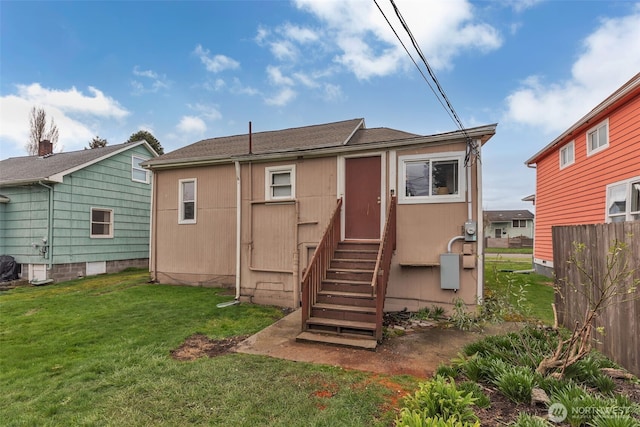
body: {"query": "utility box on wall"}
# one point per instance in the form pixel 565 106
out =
pixel 450 271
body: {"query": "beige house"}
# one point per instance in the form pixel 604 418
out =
pixel 248 211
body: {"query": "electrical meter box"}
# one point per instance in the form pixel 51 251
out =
pixel 450 271
pixel 470 231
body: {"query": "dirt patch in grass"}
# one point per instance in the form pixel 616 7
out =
pixel 199 345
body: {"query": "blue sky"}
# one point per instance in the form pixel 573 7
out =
pixel 186 71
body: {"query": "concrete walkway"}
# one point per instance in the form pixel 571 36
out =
pixel 418 353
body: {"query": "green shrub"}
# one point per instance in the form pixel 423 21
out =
pixel 526 420
pixel 418 419
pixel 440 397
pixel 482 400
pixel 614 420
pixel 446 371
pixel 516 383
pixel 460 317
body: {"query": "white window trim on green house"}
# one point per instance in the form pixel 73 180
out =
pixel 184 200
pixel 277 187
pixel 138 173
pixel 567 155
pixel 109 223
pixel 598 138
pixel 627 194
pixel 455 189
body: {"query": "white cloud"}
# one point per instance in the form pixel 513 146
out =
pixel 299 34
pixel 367 47
pixel 606 62
pixel 215 63
pixel 191 125
pixel 77 115
pixel 277 78
pixel 332 92
pixel 157 81
pixel 208 112
pixel 283 49
pixel 282 98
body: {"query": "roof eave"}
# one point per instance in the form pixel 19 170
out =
pixel 612 100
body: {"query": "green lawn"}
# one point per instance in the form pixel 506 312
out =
pixel 509 251
pixel 96 351
pixel 538 291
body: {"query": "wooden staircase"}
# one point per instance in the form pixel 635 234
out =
pixel 344 288
pixel 345 309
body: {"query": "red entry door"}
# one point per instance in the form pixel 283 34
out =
pixel 362 198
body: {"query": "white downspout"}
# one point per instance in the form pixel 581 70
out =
pixel 238 238
pixel 480 227
pixel 238 229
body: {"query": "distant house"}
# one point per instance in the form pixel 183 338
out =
pixel 590 173
pixel 64 215
pixel 509 223
pixel 250 211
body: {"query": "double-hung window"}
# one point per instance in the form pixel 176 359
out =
pixel 101 223
pixel 188 192
pixel 598 137
pixel 280 182
pixel 432 178
pixel 567 155
pixel 519 223
pixel 138 173
pixel 623 201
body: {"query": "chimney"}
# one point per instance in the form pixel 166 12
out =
pixel 45 148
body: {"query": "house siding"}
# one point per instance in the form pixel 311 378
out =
pixel 106 184
pixel 577 193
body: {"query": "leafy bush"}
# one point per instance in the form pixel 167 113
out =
pixel 418 419
pixel 482 400
pixel 516 383
pixel 460 317
pixel 617 420
pixel 526 420
pixel 440 397
pixel 446 371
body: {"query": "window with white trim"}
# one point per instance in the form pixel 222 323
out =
pixel 280 182
pixel 138 173
pixel 101 223
pixel 598 138
pixel 188 194
pixel 623 201
pixel 432 178
pixel 567 155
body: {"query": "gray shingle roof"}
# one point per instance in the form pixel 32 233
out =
pixel 336 134
pixel 26 169
pixel 503 216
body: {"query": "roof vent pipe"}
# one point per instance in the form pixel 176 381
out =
pixel 250 141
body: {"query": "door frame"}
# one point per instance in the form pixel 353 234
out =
pixel 341 174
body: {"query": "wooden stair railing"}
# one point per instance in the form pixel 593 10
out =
pixel 383 265
pixel 317 269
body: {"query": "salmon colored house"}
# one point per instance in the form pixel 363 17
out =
pixel 338 219
pixel 591 173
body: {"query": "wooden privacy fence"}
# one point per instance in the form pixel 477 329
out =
pixel 620 320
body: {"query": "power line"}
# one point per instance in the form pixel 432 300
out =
pixel 443 98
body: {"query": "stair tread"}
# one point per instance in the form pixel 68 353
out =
pixel 353 324
pixel 368 344
pixel 363 260
pixel 364 251
pixel 348 282
pixel 349 270
pixel 343 307
pixel 345 294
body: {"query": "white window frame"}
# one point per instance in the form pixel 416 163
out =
pixel 135 161
pixel 628 213
pixel 111 223
pixel 433 198
pixel 272 170
pixel 567 148
pixel 596 129
pixel 181 201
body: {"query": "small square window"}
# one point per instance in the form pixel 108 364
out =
pixel 598 138
pixel 567 155
pixel 101 223
pixel 280 182
pixel 138 173
pixel 188 195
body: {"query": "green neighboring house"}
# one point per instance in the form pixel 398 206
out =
pixel 66 215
